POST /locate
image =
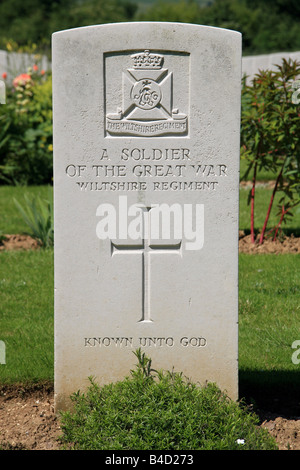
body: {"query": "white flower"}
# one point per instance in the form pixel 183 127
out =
pixel 240 441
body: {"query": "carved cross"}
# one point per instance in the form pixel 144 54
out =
pixel 147 249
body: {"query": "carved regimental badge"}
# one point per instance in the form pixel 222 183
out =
pixel 147 108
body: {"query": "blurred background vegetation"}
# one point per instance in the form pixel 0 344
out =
pixel 267 25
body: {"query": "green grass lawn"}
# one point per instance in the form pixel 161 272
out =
pixel 12 222
pixel 269 310
pixel 269 306
pixel 262 174
pixel 10 218
pixel 269 319
pixel 262 200
pixel 26 315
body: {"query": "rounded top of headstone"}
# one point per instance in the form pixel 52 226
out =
pixel 145 24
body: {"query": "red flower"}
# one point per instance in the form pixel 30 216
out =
pixel 35 68
pixel 43 72
pixel 21 80
pixel 4 75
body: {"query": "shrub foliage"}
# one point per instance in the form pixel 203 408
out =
pixel 270 138
pixel 156 410
pixel 26 135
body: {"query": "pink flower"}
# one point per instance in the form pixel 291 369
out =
pixel 35 68
pixel 43 72
pixel 4 75
pixel 21 80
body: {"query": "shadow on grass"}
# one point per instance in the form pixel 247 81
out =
pixel 286 231
pixel 277 392
pixel 292 231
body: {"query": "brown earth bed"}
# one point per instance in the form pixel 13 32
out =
pixel 18 242
pixel 287 244
pixel 28 421
pixel 283 245
pixel 27 418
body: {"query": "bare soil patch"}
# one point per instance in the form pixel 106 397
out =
pixel 27 418
pixel 285 431
pixel 18 242
pixel 280 246
pixel 28 421
pixel 283 245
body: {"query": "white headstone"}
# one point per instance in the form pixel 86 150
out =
pixel 146 158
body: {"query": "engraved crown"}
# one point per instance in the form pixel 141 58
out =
pixel 145 60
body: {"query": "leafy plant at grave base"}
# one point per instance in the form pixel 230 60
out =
pixel 159 410
pixel 26 137
pixel 270 138
pixel 38 215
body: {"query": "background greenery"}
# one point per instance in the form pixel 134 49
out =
pixel 266 25
pixel 26 132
